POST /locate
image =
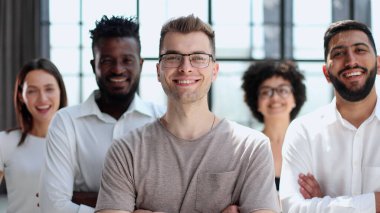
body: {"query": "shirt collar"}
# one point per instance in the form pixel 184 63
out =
pixel 89 107
pixel 337 115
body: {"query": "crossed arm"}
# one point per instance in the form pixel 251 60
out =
pixel 229 209
pixel 309 188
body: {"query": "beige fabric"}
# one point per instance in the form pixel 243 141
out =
pixel 152 169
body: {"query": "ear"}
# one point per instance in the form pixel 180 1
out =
pixel 326 73
pixel 92 62
pixel 19 97
pixel 141 62
pixel 158 71
pixel 215 71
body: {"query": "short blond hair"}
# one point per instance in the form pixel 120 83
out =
pixel 188 24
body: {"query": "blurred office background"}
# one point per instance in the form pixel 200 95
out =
pixel 246 31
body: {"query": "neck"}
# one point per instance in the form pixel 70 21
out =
pixel 275 129
pixel 40 129
pixel 357 112
pixel 184 121
pixel 113 107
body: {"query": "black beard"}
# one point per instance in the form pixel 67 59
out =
pixel 118 97
pixel 354 95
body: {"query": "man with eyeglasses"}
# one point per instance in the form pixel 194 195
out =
pixel 331 160
pixel 189 160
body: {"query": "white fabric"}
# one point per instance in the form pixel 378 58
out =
pixel 77 142
pixel 21 167
pixel 344 160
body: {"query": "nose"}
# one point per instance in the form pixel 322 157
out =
pixel 350 60
pixel 43 96
pixel 275 95
pixel 118 68
pixel 185 65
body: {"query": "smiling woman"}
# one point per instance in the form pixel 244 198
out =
pixel 275 93
pixel 39 93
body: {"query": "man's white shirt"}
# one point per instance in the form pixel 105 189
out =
pixel 345 160
pixel 77 142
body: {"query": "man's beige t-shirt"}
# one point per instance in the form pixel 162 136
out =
pixel 152 169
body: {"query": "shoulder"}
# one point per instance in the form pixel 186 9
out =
pixel 149 108
pixel 243 134
pixel 7 137
pixel 68 114
pixel 71 111
pixel 314 121
pixel 8 143
pixel 138 135
pixel 244 131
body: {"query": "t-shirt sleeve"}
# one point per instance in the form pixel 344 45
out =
pixel 259 191
pixel 117 186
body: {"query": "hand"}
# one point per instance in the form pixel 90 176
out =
pixel 85 198
pixel 231 209
pixel 309 186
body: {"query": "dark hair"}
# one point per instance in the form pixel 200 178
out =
pixel 116 26
pixel 345 25
pixel 258 72
pixel 24 118
pixel 188 24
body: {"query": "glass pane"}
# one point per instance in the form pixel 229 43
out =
pixel 232 35
pixel 311 19
pixel 318 91
pixel 258 42
pixel 87 57
pixel 375 4
pixel 227 95
pixel 66 59
pixel 64 35
pixel 94 9
pixel 72 88
pixel 89 85
pixel 150 89
pixel 57 14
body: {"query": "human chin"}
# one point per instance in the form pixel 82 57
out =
pixel 355 94
pixel 117 93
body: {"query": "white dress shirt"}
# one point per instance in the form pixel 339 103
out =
pixel 345 160
pixel 77 142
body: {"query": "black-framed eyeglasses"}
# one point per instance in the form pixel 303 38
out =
pixel 283 91
pixel 174 60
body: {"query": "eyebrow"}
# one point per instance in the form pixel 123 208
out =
pixel 344 46
pixel 281 85
pixel 44 86
pixel 177 52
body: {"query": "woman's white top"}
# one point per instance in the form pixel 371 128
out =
pixel 21 166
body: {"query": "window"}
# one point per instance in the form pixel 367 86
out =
pixel 246 31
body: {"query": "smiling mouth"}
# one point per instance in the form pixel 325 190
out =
pixel 185 81
pixel 43 108
pixel 118 79
pixel 352 74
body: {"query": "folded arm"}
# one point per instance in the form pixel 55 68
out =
pixel 302 193
pixel 58 172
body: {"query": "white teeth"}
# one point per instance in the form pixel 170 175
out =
pixel 185 81
pixel 353 74
pixel 118 79
pixel 43 107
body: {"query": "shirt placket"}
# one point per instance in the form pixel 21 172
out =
pixel 357 162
